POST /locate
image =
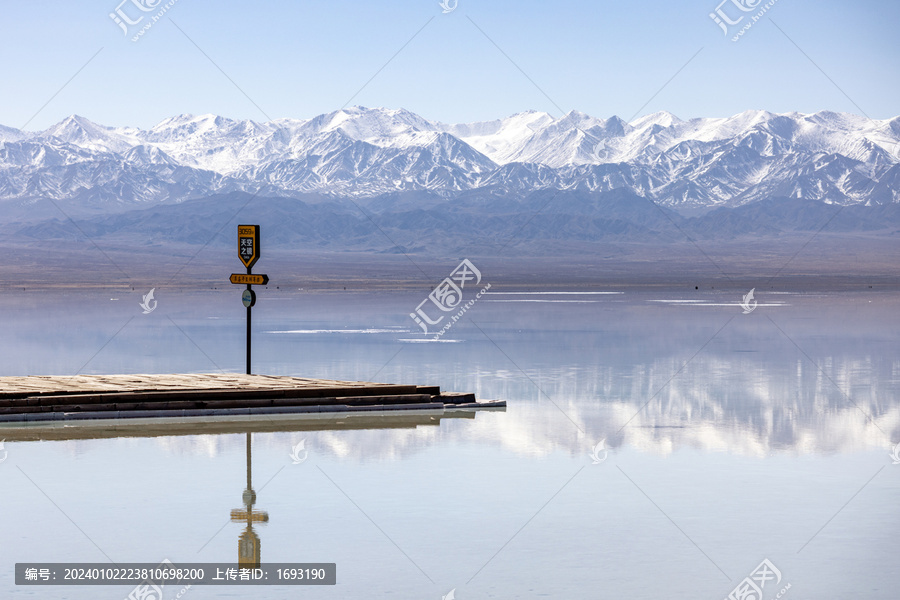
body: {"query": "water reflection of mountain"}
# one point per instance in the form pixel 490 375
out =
pixel 742 404
pixel 745 404
pixel 747 387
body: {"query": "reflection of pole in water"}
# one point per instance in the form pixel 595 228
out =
pixel 248 543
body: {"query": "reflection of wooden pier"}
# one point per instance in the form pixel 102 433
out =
pixel 32 431
pixel 90 397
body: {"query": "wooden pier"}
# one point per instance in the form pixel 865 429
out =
pixel 92 397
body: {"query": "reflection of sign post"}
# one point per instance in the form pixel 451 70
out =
pixel 248 252
pixel 249 552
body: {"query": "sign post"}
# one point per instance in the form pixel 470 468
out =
pixel 248 252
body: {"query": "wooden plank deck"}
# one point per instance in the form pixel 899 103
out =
pixel 80 397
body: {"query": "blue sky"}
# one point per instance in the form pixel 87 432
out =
pixel 484 60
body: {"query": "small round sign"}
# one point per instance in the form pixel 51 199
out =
pixel 248 298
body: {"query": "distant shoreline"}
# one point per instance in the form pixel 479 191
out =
pixel 798 262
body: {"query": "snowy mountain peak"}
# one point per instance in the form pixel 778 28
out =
pixel 68 125
pixel 662 118
pixel 184 125
pixel 11 134
pixel 370 124
pixel 84 133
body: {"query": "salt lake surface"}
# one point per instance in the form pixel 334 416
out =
pixel 656 445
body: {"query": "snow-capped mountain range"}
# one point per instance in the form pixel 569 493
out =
pixel 699 163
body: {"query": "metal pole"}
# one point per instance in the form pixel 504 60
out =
pixel 249 272
pixel 249 309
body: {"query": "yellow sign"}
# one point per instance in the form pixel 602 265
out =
pixel 243 279
pixel 248 244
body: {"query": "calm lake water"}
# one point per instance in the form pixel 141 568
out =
pixel 656 445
